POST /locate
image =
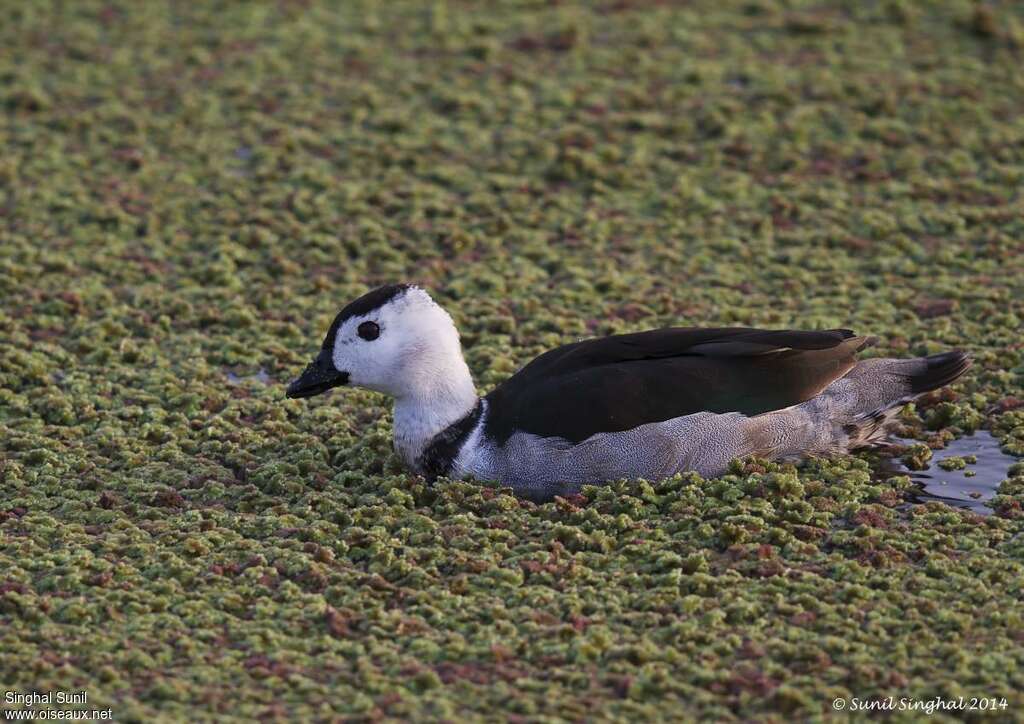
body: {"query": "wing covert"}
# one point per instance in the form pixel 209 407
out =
pixel 616 383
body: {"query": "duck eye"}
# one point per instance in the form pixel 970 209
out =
pixel 368 331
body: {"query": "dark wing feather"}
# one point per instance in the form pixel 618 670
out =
pixel 617 383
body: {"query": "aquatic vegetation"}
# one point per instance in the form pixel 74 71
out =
pixel 189 192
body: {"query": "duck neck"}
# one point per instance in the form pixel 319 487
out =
pixel 429 406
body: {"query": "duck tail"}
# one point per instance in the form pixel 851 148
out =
pixel 856 410
pixel 883 386
pixel 939 371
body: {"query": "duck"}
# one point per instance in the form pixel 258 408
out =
pixel 644 405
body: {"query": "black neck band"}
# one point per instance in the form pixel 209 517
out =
pixel 438 456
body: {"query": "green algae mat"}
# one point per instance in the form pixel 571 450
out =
pixel 189 192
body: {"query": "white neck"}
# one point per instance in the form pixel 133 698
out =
pixel 442 395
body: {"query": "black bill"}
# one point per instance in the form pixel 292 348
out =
pixel 318 377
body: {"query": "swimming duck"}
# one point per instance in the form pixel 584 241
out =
pixel 643 405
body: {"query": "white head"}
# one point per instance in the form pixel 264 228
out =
pixel 394 340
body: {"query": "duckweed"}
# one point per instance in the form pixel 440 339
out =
pixel 190 191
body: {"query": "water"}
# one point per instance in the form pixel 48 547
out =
pixel 956 487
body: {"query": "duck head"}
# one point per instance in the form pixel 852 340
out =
pixel 394 340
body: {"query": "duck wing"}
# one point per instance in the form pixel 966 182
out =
pixel 616 383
